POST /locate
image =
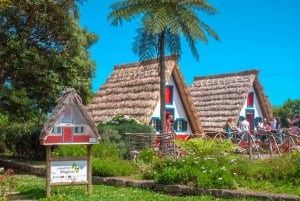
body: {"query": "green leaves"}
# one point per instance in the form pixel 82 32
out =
pixel 43 51
pixel 171 18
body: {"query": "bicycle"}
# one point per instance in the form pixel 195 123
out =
pixel 291 142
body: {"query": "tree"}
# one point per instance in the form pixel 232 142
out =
pixel 43 51
pixel 287 110
pixel 4 3
pixel 163 24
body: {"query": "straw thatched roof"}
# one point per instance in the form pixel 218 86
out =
pixel 221 96
pixel 70 97
pixel 133 90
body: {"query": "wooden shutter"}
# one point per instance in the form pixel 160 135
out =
pixel 184 125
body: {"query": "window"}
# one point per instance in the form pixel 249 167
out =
pixel 250 99
pixel 169 95
pixel 155 123
pixel 180 125
pixel 56 130
pixel 67 118
pixel 78 129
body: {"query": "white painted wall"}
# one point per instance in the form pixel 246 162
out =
pixel 256 107
pixel 177 106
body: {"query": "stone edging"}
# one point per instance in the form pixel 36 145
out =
pixel 179 190
pixel 182 190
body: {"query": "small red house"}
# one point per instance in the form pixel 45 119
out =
pixel 69 123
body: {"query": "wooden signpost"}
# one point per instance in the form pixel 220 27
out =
pixel 69 124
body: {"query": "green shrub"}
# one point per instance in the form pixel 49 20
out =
pixel 22 141
pixel 113 132
pixel 105 149
pixel 206 147
pixel 69 150
pixel 147 155
pixel 113 166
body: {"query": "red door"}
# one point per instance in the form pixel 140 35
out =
pixel 68 134
pixel 250 118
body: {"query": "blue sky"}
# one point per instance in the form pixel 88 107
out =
pixel 256 34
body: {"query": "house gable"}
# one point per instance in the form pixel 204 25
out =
pixel 69 123
pixel 219 97
pixel 133 90
pixel 174 107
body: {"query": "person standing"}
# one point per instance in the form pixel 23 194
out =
pixel 169 123
pixel 245 125
pixel 245 128
pixel 273 124
pixel 279 130
pixel 229 126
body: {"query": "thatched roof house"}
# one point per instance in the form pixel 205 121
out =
pixel 69 123
pixel 133 89
pixel 235 95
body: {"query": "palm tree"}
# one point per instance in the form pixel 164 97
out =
pixel 163 24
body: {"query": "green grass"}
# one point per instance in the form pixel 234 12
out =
pixel 34 188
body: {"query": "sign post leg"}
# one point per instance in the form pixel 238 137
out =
pixel 89 169
pixel 48 170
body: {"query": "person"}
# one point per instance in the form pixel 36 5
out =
pixel 169 123
pixel 260 125
pixel 279 130
pixel 295 120
pixel 229 127
pixel 260 129
pixel 267 127
pixel 245 128
pixel 273 124
pixel 295 123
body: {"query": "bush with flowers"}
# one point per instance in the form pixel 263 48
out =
pixel 6 182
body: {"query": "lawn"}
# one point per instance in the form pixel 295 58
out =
pixel 33 188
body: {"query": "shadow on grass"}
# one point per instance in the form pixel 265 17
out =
pixel 29 194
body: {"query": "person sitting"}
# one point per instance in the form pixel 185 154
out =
pixel 295 123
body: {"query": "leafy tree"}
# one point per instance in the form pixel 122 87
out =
pixel 287 110
pixel 163 23
pixel 43 51
pixel 4 3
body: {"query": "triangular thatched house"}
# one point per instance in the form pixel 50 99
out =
pixel 235 95
pixel 69 123
pixel 133 90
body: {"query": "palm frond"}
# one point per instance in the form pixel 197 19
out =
pixel 178 18
pixel 145 45
pixel 126 10
pixel 172 43
pixel 199 5
pixel 189 22
pixel 210 31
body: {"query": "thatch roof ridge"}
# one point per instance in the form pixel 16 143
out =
pixel 146 62
pixel 223 75
pixel 267 109
pixel 69 97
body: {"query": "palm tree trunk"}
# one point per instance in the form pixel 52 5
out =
pixel 162 73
